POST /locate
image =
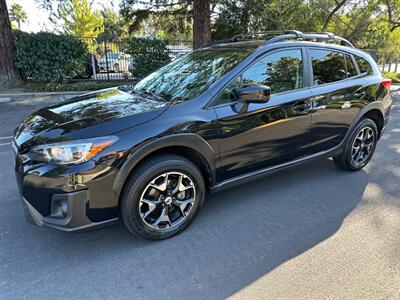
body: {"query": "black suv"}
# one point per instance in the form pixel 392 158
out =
pixel 222 115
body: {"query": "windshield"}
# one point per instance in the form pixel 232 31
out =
pixel 190 75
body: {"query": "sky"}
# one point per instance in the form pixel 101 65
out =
pixel 38 19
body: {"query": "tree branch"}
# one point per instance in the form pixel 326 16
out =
pixel 332 13
pixel 395 23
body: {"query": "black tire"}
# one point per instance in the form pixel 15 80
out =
pixel 139 182
pixel 344 160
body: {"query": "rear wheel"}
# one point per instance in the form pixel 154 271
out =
pixel 359 147
pixel 162 197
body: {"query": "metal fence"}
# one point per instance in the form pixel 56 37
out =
pixel 110 61
pixel 388 59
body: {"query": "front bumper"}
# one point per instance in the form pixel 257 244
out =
pixel 67 198
pixel 68 213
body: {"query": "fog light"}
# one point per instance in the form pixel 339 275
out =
pixel 59 208
pixel 64 208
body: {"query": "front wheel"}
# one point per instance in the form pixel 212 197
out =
pixel 162 197
pixel 359 147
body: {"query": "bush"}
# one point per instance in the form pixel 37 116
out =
pixel 148 54
pixel 50 57
pixel 34 86
pixel 392 75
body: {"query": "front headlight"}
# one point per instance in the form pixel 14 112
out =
pixel 74 152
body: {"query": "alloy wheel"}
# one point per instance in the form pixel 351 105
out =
pixel 363 146
pixel 167 200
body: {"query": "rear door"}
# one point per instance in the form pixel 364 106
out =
pixel 270 133
pixel 338 94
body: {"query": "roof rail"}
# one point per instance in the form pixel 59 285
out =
pixel 238 37
pixel 317 36
pixel 251 35
pixel 279 36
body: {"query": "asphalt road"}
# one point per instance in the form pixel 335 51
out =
pixel 313 232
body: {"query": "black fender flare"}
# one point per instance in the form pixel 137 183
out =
pixel 138 153
pixel 377 105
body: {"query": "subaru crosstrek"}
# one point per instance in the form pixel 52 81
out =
pixel 222 115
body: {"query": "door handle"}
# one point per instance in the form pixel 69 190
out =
pixel 302 106
pixel 359 95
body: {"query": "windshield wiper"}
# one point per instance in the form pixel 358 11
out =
pixel 152 95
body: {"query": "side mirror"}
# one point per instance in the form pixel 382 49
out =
pixel 254 93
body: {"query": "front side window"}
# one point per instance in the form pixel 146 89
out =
pixel 192 74
pixel 281 71
pixel 328 66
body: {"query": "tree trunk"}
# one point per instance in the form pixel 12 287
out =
pixel 201 23
pixel 9 75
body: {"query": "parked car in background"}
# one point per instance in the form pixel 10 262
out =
pixel 117 62
pixel 219 116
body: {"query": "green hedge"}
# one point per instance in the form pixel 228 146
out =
pixel 392 75
pixel 90 85
pixel 49 57
pixel 148 54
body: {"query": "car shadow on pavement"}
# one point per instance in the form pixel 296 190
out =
pixel 241 234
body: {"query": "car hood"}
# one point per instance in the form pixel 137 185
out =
pixel 95 114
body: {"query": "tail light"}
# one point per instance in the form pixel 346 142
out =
pixel 386 82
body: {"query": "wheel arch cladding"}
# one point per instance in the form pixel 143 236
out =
pixel 191 146
pixel 374 111
pixel 376 116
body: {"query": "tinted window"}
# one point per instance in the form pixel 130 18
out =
pixel 190 75
pixel 364 66
pixel 282 71
pixel 328 66
pixel 351 69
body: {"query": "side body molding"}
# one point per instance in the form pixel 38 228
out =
pixel 188 140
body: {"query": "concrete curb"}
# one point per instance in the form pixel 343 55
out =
pixel 24 96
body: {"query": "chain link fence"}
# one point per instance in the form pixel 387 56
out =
pixel 109 59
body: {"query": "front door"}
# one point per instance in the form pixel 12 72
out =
pixel 265 134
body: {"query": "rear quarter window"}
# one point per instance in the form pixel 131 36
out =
pixel 364 66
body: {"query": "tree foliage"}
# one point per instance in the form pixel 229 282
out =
pixel 18 14
pixel 168 19
pixel 148 54
pixel 78 18
pixel 114 25
pixel 366 23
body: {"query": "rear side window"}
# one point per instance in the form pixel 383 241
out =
pixel 364 66
pixel 328 66
pixel 350 67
